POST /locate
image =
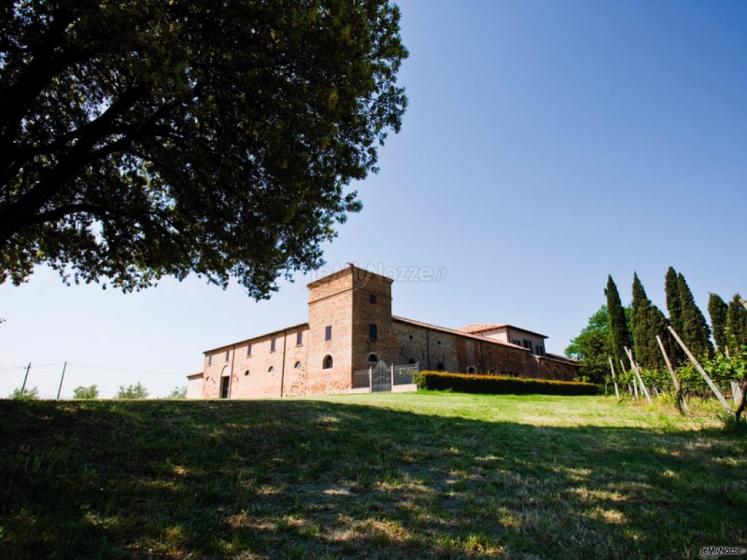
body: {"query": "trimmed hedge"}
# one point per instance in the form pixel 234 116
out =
pixel 498 384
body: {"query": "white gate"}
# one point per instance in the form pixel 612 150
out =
pixel 381 377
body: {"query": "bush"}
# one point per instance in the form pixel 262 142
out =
pixel 86 393
pixel 132 392
pixel 499 384
pixel 27 395
pixel 178 393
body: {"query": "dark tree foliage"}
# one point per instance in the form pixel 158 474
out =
pixel 736 325
pixel 672 292
pixel 647 322
pixel 620 335
pixel 593 347
pixel 148 138
pixel 694 332
pixel 717 309
pixel 674 306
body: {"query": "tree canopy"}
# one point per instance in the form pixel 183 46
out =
pixel 145 138
pixel 593 347
pixel 717 309
pixel 620 335
pixel 695 332
pixel 647 322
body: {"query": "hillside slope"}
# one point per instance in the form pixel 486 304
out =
pixel 387 476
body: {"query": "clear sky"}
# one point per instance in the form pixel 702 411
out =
pixel 547 144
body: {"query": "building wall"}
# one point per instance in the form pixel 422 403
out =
pixel 366 313
pixel 194 387
pixel 456 353
pixel 330 304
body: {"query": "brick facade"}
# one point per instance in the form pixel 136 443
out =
pixel 350 323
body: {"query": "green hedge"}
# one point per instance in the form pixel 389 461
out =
pixel 497 384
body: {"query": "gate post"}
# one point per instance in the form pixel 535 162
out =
pixel 370 379
pixel 391 387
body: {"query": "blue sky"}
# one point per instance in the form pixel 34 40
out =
pixel 547 144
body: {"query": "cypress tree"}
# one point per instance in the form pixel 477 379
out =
pixel 674 306
pixel 671 289
pixel 736 325
pixel 647 322
pixel 694 332
pixel 619 331
pixel 717 309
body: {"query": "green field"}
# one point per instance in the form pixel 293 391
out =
pixel 370 476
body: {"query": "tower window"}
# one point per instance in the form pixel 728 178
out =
pixel 373 331
pixel 272 345
pixel 327 362
pixel 372 358
pixel 371 298
pixel 299 338
pixel 328 332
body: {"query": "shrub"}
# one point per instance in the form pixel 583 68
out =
pixel 27 395
pixel 132 392
pixel 497 384
pixel 86 393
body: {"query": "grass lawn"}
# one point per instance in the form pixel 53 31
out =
pixel 375 476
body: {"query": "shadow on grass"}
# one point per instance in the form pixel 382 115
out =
pixel 307 478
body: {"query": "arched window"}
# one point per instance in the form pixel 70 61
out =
pixel 372 358
pixel 270 369
pixel 297 365
pixel 471 369
pixel 327 362
pixel 440 366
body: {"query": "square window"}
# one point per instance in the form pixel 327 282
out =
pixel 299 338
pixel 373 331
pixel 371 298
pixel 328 332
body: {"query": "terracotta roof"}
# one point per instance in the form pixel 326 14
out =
pixel 457 332
pixel 480 327
pixel 226 346
pixel 475 328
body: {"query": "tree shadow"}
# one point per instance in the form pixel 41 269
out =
pixel 328 479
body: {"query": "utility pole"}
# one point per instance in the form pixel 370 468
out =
pixel 25 378
pixel 62 378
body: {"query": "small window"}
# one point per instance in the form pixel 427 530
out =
pixel 210 360
pixel 371 298
pixel 246 373
pixel 527 344
pixel 270 369
pixel 373 332
pixel 327 362
pixel 372 358
pixel 410 337
pixel 439 342
pixel 248 350
pixel 272 345
pixel 440 366
pixel 491 371
pixel 227 354
pixel 328 332
pixel 297 365
pixel 411 361
pixel 299 338
pixel 471 369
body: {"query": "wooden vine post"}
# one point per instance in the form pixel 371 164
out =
pixel 614 379
pixel 637 372
pixel 678 395
pixel 702 372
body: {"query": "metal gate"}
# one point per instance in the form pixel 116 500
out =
pixel 381 377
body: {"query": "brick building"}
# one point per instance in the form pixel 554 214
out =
pixel 350 327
